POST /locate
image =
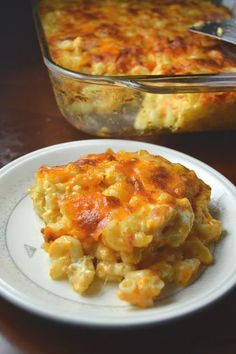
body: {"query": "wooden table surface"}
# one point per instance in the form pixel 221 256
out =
pixel 30 120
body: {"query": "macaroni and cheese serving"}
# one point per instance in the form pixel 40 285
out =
pixel 126 217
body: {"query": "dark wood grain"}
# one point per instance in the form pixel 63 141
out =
pixel 30 120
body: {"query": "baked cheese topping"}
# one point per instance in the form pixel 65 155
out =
pixel 133 37
pixel 124 217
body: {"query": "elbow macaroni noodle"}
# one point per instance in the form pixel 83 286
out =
pixel 131 218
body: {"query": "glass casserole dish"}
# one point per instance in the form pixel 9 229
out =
pixel 132 68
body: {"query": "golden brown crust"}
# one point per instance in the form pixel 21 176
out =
pixel 89 208
pixel 133 37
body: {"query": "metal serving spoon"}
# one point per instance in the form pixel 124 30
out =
pixel 223 30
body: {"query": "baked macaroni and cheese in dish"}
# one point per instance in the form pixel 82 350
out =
pixel 132 218
pixel 137 37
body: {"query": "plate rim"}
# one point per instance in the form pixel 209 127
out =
pixel 10 294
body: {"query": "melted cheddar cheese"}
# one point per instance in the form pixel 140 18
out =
pixel 122 213
pixel 133 37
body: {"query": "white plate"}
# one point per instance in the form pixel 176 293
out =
pixel 24 266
